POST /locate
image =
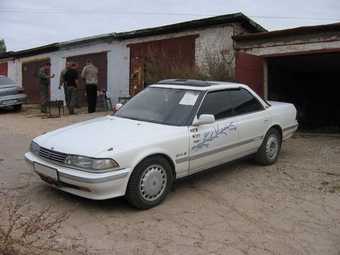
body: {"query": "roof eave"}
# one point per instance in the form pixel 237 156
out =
pixel 245 22
pixel 287 32
pixel 31 52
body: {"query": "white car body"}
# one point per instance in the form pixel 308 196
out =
pixel 186 148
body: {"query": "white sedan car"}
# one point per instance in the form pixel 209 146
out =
pixel 170 130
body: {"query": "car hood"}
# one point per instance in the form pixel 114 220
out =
pixel 92 137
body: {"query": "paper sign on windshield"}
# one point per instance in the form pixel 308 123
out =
pixel 189 98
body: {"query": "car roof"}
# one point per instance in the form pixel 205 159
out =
pixel 188 84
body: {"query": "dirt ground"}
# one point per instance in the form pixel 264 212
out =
pixel 291 207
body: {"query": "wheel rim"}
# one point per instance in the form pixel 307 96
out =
pixel 272 147
pixel 153 182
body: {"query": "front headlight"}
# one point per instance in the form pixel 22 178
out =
pixel 99 164
pixel 90 163
pixel 34 148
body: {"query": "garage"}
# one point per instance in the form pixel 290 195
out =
pixel 311 82
pixel 300 66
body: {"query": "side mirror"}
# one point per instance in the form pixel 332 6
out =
pixel 204 119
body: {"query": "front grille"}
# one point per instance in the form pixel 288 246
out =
pixel 52 155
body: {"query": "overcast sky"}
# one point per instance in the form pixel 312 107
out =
pixel 26 24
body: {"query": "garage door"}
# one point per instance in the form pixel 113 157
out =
pixel 30 79
pixel 3 68
pixel 249 70
pixel 138 52
pixel 100 61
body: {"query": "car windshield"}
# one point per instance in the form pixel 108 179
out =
pixel 167 106
pixel 5 81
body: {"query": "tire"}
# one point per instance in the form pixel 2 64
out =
pixel 17 107
pixel 270 148
pixel 149 183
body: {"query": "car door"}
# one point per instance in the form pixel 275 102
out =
pixel 214 143
pixel 252 119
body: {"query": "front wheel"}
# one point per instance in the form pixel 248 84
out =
pixel 150 183
pixel 270 148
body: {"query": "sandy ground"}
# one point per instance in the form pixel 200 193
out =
pixel 291 207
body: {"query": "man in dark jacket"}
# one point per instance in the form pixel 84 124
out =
pixel 72 81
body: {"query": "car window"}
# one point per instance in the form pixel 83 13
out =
pixel 5 81
pixel 244 102
pixel 217 103
pixel 162 105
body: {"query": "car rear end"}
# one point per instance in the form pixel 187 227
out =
pixel 11 94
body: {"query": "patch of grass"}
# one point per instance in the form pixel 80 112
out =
pixel 335 188
pixel 333 174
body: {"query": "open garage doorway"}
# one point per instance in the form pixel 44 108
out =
pixel 311 82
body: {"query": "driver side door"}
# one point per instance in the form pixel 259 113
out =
pixel 215 143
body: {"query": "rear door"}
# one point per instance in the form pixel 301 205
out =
pixel 252 119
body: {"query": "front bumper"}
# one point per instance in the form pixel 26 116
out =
pixel 95 186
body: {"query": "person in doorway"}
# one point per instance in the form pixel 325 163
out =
pixel 90 75
pixel 44 82
pixel 62 82
pixel 72 81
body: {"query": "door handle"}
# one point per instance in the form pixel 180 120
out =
pixel 232 128
pixel 266 120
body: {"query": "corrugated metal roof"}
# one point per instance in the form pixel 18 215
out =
pixel 25 53
pixel 245 22
pixel 94 38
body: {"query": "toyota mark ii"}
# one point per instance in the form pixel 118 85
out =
pixel 168 131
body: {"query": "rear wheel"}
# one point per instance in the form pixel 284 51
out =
pixel 150 183
pixel 17 107
pixel 270 148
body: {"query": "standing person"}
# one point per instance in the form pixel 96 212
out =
pixel 44 82
pixel 72 81
pixel 62 82
pixel 90 75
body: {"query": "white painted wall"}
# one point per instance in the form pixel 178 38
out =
pixel 213 41
pixel 117 67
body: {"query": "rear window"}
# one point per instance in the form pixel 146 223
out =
pixel 244 102
pixel 6 81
